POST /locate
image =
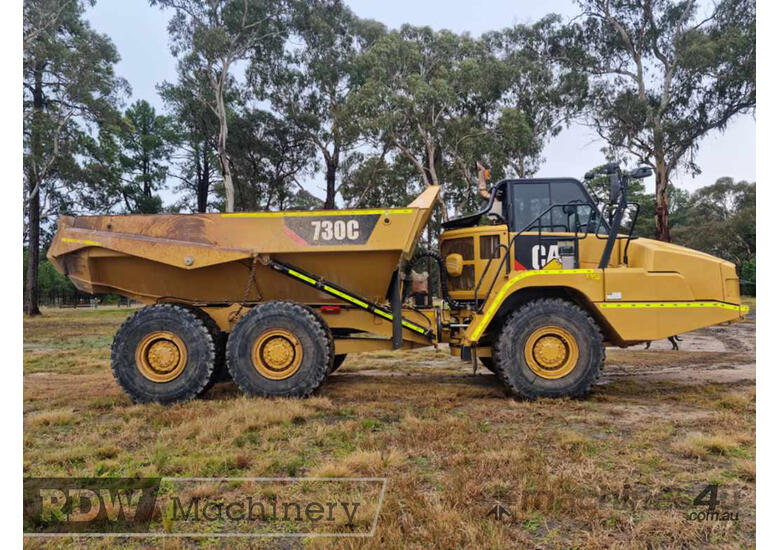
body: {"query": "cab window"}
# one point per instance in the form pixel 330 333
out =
pixel 529 200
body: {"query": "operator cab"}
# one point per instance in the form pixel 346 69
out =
pixel 552 204
pixel 552 215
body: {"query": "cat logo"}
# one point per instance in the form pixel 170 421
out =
pixel 542 255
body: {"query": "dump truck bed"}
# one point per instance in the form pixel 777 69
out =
pixel 208 258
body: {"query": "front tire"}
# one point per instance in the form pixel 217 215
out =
pixel 279 349
pixel 163 353
pixel 549 348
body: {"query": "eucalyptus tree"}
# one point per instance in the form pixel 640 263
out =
pixel 69 90
pixel 664 74
pixel 542 94
pixel 211 40
pixel 312 87
pixel 270 156
pixel 423 99
pixel 196 164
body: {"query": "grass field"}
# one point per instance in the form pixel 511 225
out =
pixel 619 469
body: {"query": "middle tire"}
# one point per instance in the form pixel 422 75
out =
pixel 279 349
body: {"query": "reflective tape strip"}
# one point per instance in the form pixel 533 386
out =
pixel 343 296
pixel 384 314
pixel 302 276
pixel 415 328
pixel 80 241
pixel 668 305
pixel 314 213
pixel 319 285
pixel 496 302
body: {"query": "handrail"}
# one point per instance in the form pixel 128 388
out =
pixel 477 306
pixel 493 256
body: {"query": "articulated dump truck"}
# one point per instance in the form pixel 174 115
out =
pixel 534 286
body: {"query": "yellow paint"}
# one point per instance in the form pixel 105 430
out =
pixel 277 354
pixel 80 241
pixel 553 264
pixel 551 352
pixel 498 300
pixel 292 214
pixel 161 356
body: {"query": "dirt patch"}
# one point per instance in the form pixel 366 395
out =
pixel 721 354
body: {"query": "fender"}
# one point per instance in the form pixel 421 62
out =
pixel 589 282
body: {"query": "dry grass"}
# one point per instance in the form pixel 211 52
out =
pixel 617 470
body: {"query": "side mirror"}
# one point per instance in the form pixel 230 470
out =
pixel 641 172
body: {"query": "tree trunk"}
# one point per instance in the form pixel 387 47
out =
pixel 661 200
pixel 224 160
pixel 34 202
pixel 33 251
pixel 227 179
pixel 330 180
pixel 203 181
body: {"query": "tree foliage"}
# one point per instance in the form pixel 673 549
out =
pixel 664 73
pixel 69 90
pixel 313 86
pixel 722 221
pixel 147 143
pixel 210 39
pixel 272 97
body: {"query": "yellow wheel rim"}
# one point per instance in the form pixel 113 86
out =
pixel 277 354
pixel 551 352
pixel 161 356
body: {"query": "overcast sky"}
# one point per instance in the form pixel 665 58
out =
pixel 140 34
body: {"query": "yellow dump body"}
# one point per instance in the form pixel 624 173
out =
pixel 207 258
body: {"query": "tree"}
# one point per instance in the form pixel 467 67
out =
pixel 722 221
pixel 312 88
pixel 211 38
pixel 543 95
pixel 147 141
pixel 663 77
pixel 269 155
pixel 68 84
pixel 196 160
pixel 415 101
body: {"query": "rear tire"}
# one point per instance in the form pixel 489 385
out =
pixel 549 348
pixel 279 349
pixel 163 353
